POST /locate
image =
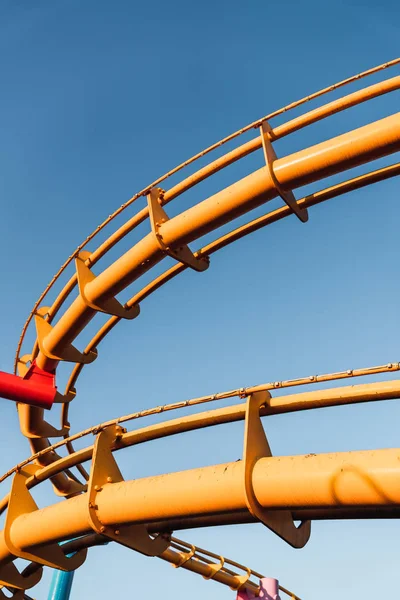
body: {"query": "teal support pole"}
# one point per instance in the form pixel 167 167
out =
pixel 60 588
pixel 61 584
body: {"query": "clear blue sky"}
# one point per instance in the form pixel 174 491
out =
pixel 98 99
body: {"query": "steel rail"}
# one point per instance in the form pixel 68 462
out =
pixel 343 152
pixel 361 480
pixel 175 555
pixel 92 540
pixel 277 133
pixel 283 212
pixel 345 479
pixel 188 162
pixel 283 404
pixel 296 124
pixel 303 514
pixel 333 191
pixel 280 131
pixel 374 392
pixel 38 445
pixel 289 175
pixel 177 543
pixel 370 392
pixel 235 235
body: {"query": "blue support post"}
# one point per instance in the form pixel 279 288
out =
pixel 60 587
pixel 61 584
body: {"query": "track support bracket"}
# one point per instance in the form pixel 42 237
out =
pixel 11 577
pixel 158 216
pixel 270 156
pixel 111 306
pixel 67 354
pixel 21 502
pixel 105 471
pixel 256 446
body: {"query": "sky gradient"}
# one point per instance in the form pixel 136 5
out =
pixel 98 99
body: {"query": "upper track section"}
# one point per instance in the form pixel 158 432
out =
pixel 87 294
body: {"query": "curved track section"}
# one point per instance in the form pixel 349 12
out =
pixel 231 493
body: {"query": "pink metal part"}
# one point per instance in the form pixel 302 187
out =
pixel 37 387
pixel 269 590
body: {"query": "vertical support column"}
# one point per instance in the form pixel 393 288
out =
pixel 269 590
pixel 61 584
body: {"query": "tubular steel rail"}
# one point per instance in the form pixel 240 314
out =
pixel 230 493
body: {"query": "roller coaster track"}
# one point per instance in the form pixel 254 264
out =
pixel 230 493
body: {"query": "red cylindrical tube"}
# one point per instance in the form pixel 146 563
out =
pixel 26 391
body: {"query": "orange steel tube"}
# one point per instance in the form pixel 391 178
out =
pixel 346 151
pixel 368 392
pixel 312 481
pixel 303 514
pixel 345 102
pixel 349 185
pixel 337 480
pixel 280 404
pixel 372 91
pixel 53 464
pixel 322 160
pixel 278 132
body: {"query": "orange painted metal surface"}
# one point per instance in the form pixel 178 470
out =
pixel 273 490
pixel 337 480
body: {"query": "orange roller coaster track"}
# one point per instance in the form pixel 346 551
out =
pixel 305 488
